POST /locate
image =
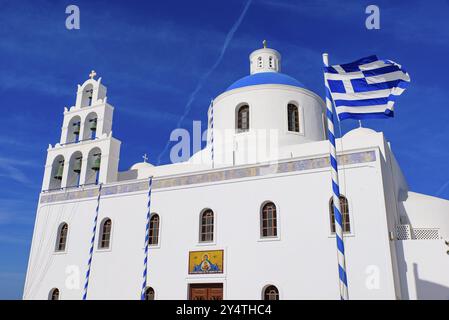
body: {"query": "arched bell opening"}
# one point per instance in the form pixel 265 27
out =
pixel 57 171
pixel 73 130
pixel 90 126
pixel 75 164
pixel 87 96
pixel 93 166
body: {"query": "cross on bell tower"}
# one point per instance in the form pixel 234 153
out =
pixel 92 74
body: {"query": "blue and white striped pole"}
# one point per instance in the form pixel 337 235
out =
pixel 338 218
pixel 211 126
pixel 92 243
pixel 147 239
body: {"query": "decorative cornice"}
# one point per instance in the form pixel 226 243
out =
pixel 211 177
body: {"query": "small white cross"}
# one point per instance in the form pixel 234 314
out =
pixel 145 158
pixel 264 43
pixel 92 74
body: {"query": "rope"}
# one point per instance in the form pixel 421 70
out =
pixel 147 238
pixel 343 284
pixel 92 242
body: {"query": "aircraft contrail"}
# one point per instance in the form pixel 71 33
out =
pixel 200 84
pixel 440 191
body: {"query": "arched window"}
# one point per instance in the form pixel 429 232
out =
pixel 344 211
pixel 54 294
pixel 90 126
pixel 74 174
pixel 105 234
pixel 86 99
pixel 57 172
pixel 61 240
pixel 243 118
pixel 93 169
pixel 93 128
pixel 271 293
pixel 154 230
pixel 293 118
pixel 268 220
pixel 149 293
pixel 207 226
pixel 73 130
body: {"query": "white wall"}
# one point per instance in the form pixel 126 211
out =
pixel 301 263
pixel 268 120
pixel 424 266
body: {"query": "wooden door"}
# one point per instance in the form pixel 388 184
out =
pixel 215 293
pixel 206 291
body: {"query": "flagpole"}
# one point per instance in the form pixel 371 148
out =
pixel 338 218
pixel 147 240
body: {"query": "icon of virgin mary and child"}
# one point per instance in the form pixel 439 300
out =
pixel 206 266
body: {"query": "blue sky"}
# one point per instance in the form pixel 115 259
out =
pixel 155 57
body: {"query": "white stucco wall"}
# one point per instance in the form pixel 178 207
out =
pixel 301 263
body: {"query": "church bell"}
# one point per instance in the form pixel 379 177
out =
pixel 93 124
pixel 97 162
pixel 58 175
pixel 76 128
pixel 77 165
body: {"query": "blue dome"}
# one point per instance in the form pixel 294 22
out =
pixel 265 78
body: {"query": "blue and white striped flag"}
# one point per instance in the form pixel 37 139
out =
pixel 366 88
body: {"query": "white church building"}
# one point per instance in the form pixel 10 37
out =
pixel 253 221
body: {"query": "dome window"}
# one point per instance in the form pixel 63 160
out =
pixel 243 119
pixel 293 118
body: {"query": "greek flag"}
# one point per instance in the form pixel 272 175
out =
pixel 366 88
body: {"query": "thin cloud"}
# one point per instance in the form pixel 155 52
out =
pixel 10 168
pixel 203 79
pixel 442 188
pixel 8 239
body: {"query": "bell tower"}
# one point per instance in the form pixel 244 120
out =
pixel 87 153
